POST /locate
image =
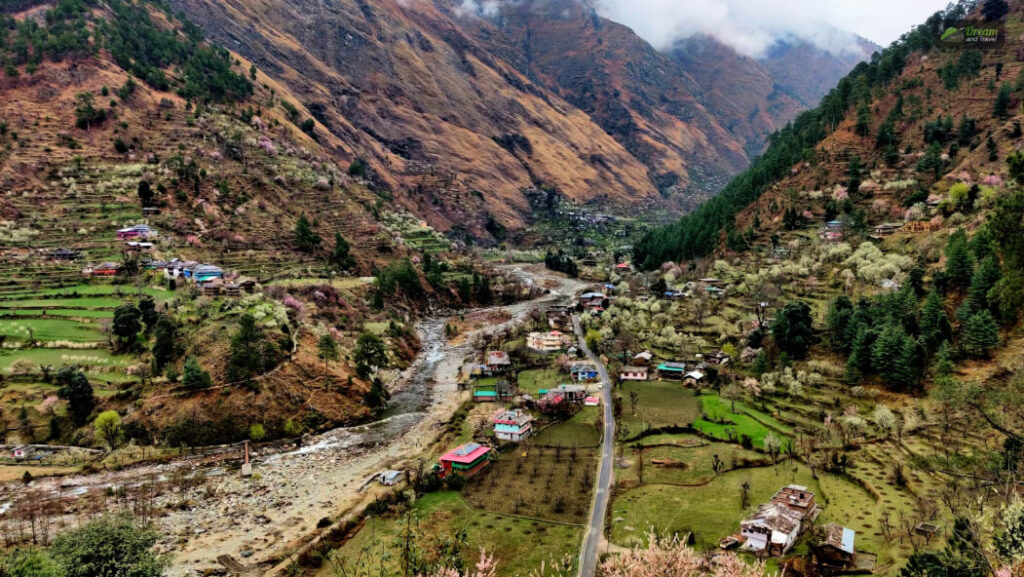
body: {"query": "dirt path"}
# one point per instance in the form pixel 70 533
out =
pixel 257 520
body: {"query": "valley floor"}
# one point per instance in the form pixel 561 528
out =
pixel 259 520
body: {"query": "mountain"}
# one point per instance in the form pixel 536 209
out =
pixel 754 97
pixel 462 115
pixel 466 119
pixel 895 132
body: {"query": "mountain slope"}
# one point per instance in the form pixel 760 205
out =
pixel 445 103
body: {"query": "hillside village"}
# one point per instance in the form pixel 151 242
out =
pixel 236 340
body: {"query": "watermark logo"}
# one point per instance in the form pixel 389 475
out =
pixel 972 34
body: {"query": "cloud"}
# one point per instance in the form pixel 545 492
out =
pixel 752 26
pixel 481 8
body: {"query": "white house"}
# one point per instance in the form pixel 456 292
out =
pixel 773 527
pixel 390 478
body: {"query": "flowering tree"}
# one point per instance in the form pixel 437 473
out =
pixel 670 557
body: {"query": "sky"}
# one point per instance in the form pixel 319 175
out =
pixel 751 26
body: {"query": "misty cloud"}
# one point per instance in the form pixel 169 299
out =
pixel 752 26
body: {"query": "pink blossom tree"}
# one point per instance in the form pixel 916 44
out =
pixel 670 557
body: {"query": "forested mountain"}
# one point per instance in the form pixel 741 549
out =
pixel 798 147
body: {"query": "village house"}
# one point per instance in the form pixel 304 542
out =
pixel 135 232
pixel 716 358
pixel 513 425
pixel 775 525
pixel 569 393
pixel 389 478
pixel 104 269
pixel 886 229
pixel 623 267
pixel 799 499
pixel 213 287
pixel 643 359
pixel 485 395
pixel 671 371
pixel 549 342
pixel 632 373
pixel 694 378
pixel 136 246
pixel 917 226
pixel 710 282
pixel 22 452
pixel 558 316
pixel 593 301
pixel 836 546
pixel 65 254
pixel 203 272
pixel 585 372
pixel 466 460
pixel 773 528
pixel 498 362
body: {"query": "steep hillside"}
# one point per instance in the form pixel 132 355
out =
pixel 913 114
pixel 755 97
pixel 118 114
pixel 448 123
pixel 445 103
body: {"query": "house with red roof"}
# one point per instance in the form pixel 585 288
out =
pixel 466 460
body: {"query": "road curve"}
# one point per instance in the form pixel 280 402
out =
pixel 595 527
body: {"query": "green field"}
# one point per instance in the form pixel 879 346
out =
pixel 50 330
pixel 742 422
pixel 579 431
pixel 61 357
pixel 710 511
pixel 533 380
pixel 70 313
pixel 679 465
pixel 519 545
pixel 92 302
pixel 659 404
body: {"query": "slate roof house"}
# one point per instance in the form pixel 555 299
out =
pixel 836 547
pixel 775 526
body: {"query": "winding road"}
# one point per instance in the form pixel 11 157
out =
pixel 595 527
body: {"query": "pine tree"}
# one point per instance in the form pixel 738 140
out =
pixel 959 264
pixel 75 388
pixel 935 327
pixel 327 349
pixel 340 256
pixel 863 125
pixel 194 378
pixel 164 344
pixel 1002 106
pixel 984 279
pixel 943 360
pixel 980 334
pixel 305 238
pixel 852 376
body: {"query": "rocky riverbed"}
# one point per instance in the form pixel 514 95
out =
pixel 207 510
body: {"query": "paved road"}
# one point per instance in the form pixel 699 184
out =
pixel 595 528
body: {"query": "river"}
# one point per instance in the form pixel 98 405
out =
pixel 255 519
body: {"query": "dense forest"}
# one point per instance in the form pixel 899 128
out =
pixel 697 234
